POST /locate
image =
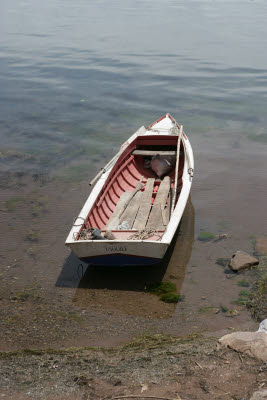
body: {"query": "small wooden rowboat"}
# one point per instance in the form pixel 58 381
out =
pixel 133 212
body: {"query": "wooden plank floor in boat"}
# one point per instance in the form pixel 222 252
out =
pixel 155 219
pixel 144 209
pixel 132 209
pixel 139 213
pixel 115 217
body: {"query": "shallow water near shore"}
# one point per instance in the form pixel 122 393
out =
pixel 76 82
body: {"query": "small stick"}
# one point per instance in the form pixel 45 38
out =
pixel 239 355
pixel 198 365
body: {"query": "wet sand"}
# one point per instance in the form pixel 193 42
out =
pixel 49 299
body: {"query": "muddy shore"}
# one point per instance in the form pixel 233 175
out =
pixel 187 368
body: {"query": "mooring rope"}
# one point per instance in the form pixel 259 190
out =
pixel 145 234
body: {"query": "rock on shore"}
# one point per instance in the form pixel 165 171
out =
pixel 242 260
pixel 253 344
pixel 260 395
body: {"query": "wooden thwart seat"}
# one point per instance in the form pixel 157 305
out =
pixel 154 152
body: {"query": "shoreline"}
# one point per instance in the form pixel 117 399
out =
pixel 156 365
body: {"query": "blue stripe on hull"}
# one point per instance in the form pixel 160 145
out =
pixel 120 260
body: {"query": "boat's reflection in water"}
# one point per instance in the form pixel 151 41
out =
pixel 124 289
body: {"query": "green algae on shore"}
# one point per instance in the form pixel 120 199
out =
pixel 166 292
pixel 12 203
pixel 205 236
pixel 243 283
pixel 32 236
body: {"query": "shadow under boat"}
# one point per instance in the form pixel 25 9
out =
pixel 125 289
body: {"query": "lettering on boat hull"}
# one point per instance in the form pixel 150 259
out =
pixel 115 249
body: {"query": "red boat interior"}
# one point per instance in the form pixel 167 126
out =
pixel 133 195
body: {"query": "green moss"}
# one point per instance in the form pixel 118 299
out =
pixel 205 236
pixel 244 296
pixel 171 298
pixel 241 301
pixel 223 308
pixel 160 288
pixel 243 283
pixel 244 293
pixel 33 236
pixel 12 203
pixel 166 292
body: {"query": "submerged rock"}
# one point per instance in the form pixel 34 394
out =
pixel 242 260
pixel 253 344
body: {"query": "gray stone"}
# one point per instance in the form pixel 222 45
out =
pixel 253 344
pixel 242 260
pixel 260 395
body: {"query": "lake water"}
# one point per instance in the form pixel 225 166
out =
pixel 76 79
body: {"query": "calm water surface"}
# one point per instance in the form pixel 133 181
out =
pixel 85 75
pixel 76 79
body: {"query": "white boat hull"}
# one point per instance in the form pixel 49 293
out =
pixel 130 252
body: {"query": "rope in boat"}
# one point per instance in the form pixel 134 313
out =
pixel 86 234
pixel 145 234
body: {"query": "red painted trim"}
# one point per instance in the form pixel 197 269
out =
pixel 157 139
pixel 113 177
pixel 158 120
pixel 124 230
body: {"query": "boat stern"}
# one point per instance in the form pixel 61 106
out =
pixel 118 253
